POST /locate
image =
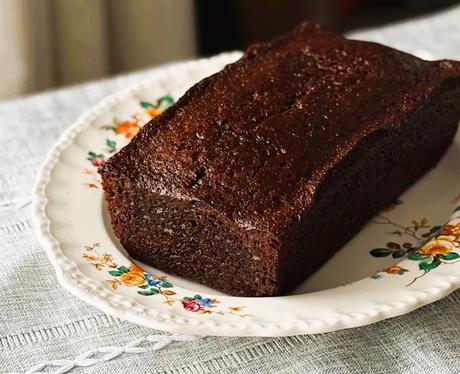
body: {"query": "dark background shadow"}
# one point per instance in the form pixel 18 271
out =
pixel 225 25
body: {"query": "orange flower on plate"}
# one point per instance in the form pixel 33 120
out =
pixel 127 128
pixel 136 269
pixel 452 230
pixel 132 279
pixel 153 112
pixel 393 269
pixel 439 246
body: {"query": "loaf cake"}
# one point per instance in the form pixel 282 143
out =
pixel 262 171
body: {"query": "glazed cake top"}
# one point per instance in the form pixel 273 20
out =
pixel 254 141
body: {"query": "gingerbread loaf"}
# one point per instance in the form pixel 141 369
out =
pixel 261 172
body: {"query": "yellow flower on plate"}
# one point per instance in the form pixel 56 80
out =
pixel 132 279
pixel 440 245
pixel 107 257
pixel 89 257
pixel 236 308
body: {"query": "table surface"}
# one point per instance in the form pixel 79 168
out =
pixel 41 323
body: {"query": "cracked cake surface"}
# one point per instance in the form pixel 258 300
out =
pixel 262 171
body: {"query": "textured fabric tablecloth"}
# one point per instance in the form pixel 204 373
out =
pixel 40 321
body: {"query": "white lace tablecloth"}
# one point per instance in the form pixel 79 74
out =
pixel 42 324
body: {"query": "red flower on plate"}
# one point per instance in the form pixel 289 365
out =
pixel 191 305
pixel 97 162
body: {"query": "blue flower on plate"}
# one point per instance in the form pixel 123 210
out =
pixel 157 282
pixel 151 282
pixel 205 302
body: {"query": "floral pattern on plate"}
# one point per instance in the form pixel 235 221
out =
pixel 437 245
pixel 124 130
pixel 147 284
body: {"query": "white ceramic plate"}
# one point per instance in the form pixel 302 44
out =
pixel 356 287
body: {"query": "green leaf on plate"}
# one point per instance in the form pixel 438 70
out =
pixel 428 265
pixel 92 156
pixel 166 284
pixel 112 144
pixel 450 256
pixel 123 269
pixel 435 228
pixel 146 104
pixel 146 292
pixel 398 254
pixel 115 273
pixel 380 252
pixel 418 257
pixel 197 297
pixel 165 101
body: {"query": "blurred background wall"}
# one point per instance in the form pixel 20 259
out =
pixel 48 43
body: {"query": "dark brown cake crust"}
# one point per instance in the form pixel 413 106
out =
pixel 261 172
